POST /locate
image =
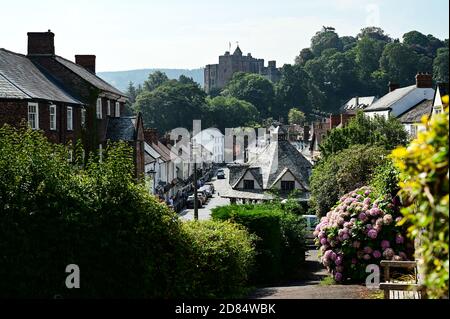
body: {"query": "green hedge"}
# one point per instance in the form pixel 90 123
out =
pixel 54 213
pixel 281 247
pixel 219 258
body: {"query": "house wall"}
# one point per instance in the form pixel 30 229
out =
pixel 372 115
pixel 288 177
pixel 248 176
pixel 15 112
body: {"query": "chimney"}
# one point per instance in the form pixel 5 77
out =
pixel 151 135
pixel 393 86
pixel 86 61
pixel 272 64
pixel 424 81
pixel 41 43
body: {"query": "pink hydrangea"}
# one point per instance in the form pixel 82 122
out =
pixel 387 219
pixel 389 253
pixel 385 244
pixel 376 254
pixel 373 234
pixel 354 261
pixel 368 250
pixel 399 239
pixel 356 244
pixel 362 217
pixel 338 261
pixel 323 241
pixel 338 276
pixel 367 257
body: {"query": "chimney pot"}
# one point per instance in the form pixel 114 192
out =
pixel 41 43
pixel 86 61
pixel 393 86
pixel 424 80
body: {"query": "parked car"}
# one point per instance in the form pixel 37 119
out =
pixel 207 189
pixel 311 223
pixel 211 186
pixel 190 202
pixel 201 193
pixel 220 174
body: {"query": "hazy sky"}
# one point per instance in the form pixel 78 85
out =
pixel 136 34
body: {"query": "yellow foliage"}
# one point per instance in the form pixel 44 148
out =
pixel 424 176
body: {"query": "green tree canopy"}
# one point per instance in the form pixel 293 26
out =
pixel 362 130
pixel 440 66
pixel 327 38
pixel 400 63
pixel 296 116
pixel 171 105
pixel 374 33
pixel 229 112
pixel 155 80
pixel 304 56
pixel 252 88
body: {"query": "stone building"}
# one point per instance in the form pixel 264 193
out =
pixel 218 75
pixel 65 100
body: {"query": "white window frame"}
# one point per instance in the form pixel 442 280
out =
pixel 117 110
pixel 108 109
pixel 52 112
pixel 98 109
pixel 83 117
pixel 69 118
pixel 33 122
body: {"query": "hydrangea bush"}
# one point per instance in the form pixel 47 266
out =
pixel 360 230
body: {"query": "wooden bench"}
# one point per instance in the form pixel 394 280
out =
pixel 401 290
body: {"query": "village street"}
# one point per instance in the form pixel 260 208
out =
pixel 221 186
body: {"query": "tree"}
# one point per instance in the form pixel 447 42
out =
pixel 362 130
pixel 327 38
pixel 374 33
pixel 296 117
pixel 131 93
pixel 304 56
pixel 171 105
pixel 252 88
pixel 368 54
pixel 400 63
pixel 186 80
pixel 229 112
pixel 441 66
pixel 155 80
pixel 348 43
pixel 341 173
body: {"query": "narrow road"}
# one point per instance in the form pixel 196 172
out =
pixel 310 287
pixel 221 186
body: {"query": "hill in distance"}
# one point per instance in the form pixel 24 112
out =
pixel 120 79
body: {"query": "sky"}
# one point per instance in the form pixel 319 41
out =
pixel 187 34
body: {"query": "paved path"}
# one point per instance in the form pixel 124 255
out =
pixel 221 186
pixel 310 287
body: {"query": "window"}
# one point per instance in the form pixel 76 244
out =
pixel 69 118
pixel 287 186
pixel 108 110
pixel 83 117
pixel 52 112
pixel 99 108
pixel 413 131
pixel 117 109
pixel 33 116
pixel 249 184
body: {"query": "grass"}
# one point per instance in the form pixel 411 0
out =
pixel 328 281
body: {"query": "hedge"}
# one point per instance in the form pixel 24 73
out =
pixel 127 245
pixel 281 247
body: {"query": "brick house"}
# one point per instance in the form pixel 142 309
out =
pixel 66 100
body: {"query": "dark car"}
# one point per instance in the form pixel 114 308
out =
pixel 190 202
pixel 221 175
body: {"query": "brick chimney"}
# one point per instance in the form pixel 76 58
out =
pixel 393 86
pixel 41 43
pixel 86 61
pixel 424 80
pixel 151 135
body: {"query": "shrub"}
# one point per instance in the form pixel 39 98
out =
pixel 53 214
pixel 280 249
pixel 360 230
pixel 424 190
pixel 218 260
pixel 343 172
pixel 385 180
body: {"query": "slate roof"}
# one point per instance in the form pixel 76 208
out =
pixel 272 162
pixel 88 76
pixel 391 98
pixel 358 103
pixel 20 78
pixel 121 129
pixel 415 114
